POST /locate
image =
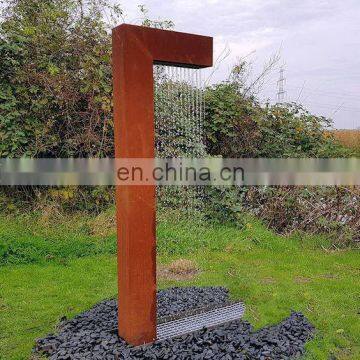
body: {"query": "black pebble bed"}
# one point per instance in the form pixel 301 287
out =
pixel 93 334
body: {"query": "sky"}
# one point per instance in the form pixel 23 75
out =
pixel 318 42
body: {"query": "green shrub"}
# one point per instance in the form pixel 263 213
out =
pixel 55 84
pixel 237 126
pixel 69 198
pixel 330 210
pixel 223 204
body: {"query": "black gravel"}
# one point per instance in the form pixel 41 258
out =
pixel 93 334
pixel 177 301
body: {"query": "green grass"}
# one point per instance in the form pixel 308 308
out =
pixel 29 239
pixel 272 274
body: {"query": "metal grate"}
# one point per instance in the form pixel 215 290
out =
pixel 197 322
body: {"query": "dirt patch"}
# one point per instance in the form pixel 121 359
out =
pixel 268 280
pixel 178 270
pixel 229 248
pixel 301 280
pixel 329 276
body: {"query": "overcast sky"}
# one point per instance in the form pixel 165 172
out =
pixel 319 41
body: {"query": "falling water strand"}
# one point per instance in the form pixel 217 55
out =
pixel 179 125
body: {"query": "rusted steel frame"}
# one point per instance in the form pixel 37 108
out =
pixel 135 50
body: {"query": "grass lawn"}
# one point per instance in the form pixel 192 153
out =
pixel 53 269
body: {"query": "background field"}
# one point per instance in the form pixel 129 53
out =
pixel 349 138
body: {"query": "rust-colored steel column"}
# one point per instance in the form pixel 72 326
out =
pixel 135 50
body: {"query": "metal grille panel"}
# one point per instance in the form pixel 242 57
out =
pixel 197 322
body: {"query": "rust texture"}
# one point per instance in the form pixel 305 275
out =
pixel 135 50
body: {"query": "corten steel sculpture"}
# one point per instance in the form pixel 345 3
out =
pixel 135 50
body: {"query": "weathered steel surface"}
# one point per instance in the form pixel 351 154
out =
pixel 135 50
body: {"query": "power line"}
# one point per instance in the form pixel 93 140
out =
pixel 346 108
pixel 329 93
pixel 301 90
pixel 336 107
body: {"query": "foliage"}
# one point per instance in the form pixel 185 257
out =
pixel 157 24
pixel 69 199
pixel 332 210
pixel 238 126
pixel 55 89
pixel 223 205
